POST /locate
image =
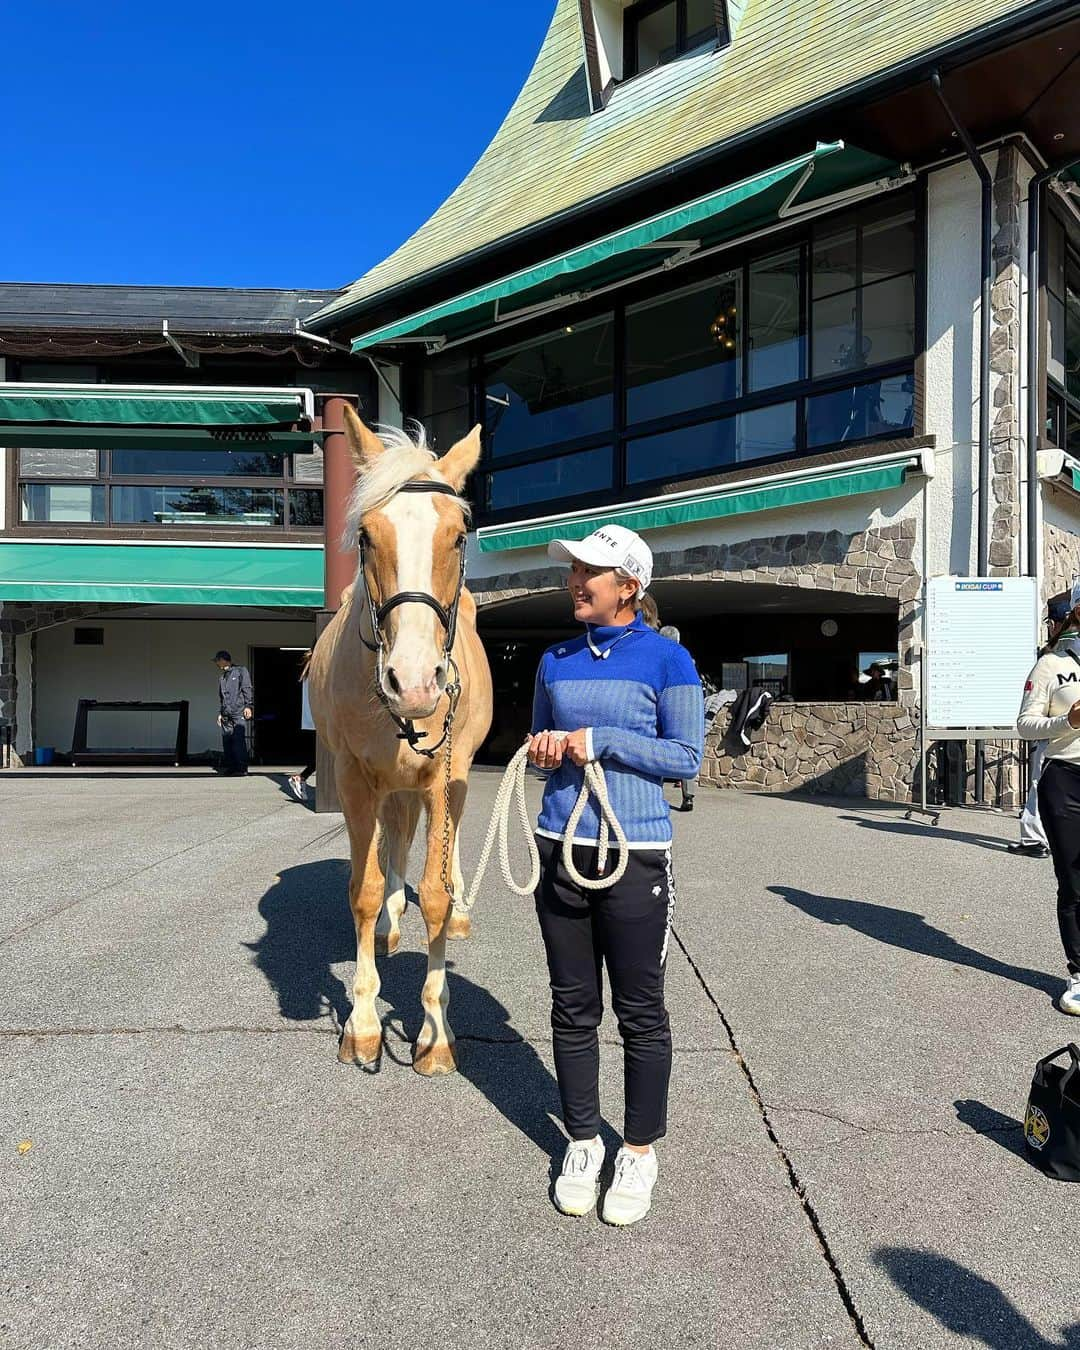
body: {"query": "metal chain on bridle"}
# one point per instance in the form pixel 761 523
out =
pixel 448 615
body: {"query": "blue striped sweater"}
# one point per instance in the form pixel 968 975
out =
pixel 639 696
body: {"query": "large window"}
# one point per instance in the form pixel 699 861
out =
pixel 796 348
pixel 169 488
pixel 1063 337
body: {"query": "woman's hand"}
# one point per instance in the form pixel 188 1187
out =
pixel 575 747
pixel 545 751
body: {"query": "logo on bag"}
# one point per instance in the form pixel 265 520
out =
pixel 1036 1128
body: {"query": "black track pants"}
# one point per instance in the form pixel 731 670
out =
pixel 625 928
pixel 1059 808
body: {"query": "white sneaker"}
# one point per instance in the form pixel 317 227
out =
pixel 577 1185
pixel 630 1194
pixel 298 788
pixel 1069 1002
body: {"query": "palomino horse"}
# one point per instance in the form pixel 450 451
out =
pixel 401 694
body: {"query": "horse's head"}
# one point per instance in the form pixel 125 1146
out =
pixel 412 542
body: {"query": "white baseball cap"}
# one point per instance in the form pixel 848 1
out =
pixel 609 546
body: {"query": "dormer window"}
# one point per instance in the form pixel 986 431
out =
pixel 658 31
pixel 629 37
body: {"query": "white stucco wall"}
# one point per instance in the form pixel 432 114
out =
pixel 150 660
pixel 953 287
pixel 389 404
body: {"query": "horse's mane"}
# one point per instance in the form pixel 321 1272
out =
pixel 407 456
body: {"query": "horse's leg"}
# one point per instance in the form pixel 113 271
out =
pixel 361 1040
pixel 399 816
pixel 434 1051
pixel 460 925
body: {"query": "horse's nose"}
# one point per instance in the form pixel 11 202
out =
pixel 440 675
pixel 393 681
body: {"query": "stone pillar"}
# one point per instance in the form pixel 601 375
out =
pixel 1005 438
pixel 339 476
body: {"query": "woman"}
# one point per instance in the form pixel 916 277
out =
pixel 1050 712
pixel 632 700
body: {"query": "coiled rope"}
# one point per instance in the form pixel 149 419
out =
pixel 512 790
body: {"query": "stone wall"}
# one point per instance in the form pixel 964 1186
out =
pixel 838 749
pixel 1061 559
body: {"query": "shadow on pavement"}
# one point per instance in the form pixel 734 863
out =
pixel 309 929
pixel 964 1303
pixel 991 1124
pixel 904 928
pixel 931 832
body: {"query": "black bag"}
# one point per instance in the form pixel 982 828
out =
pixel 1052 1119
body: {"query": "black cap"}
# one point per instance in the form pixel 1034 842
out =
pixel 222 656
pixel 1058 608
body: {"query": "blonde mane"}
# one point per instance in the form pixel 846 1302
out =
pixel 407 456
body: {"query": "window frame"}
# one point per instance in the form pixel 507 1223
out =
pixel 1059 404
pixel 644 9
pixel 285 483
pixel 623 432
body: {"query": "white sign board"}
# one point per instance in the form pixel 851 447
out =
pixel 981 642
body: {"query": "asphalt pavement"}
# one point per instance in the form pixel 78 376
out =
pixel 857 1002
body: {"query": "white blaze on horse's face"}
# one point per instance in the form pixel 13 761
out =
pixel 414 671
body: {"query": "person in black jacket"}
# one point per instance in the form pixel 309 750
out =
pixel 237 701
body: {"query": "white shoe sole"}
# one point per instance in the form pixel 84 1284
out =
pixel 576 1206
pixel 624 1220
pixel 1068 1006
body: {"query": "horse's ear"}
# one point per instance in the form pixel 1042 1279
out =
pixel 364 446
pixel 460 460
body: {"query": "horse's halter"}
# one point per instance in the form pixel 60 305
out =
pixel 447 617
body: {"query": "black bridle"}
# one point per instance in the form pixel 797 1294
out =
pixel 447 617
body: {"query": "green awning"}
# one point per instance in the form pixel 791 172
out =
pixel 164 574
pixel 787 189
pixel 42 435
pixel 1076 478
pixel 149 405
pixel 713 504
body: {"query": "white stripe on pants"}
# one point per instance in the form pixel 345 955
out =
pixel 1031 828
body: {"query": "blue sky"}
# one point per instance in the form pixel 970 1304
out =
pixel 239 144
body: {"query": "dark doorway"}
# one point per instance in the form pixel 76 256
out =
pixel 276 735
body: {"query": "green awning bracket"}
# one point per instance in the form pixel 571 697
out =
pixel 45 436
pixel 147 405
pixel 172 574
pixel 712 503
pixel 826 176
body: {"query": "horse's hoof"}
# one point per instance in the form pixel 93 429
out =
pixel 458 925
pixel 362 1050
pixel 386 944
pixel 432 1060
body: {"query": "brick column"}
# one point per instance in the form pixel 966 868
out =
pixel 339 477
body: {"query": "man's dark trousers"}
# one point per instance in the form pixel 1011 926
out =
pixel 234 744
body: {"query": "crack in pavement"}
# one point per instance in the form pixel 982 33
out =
pixel 130 876
pixel 232 1029
pixel 862 1128
pixel 797 1186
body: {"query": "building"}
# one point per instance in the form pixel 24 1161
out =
pixel 791 286
pixel 755 279
pixel 161 498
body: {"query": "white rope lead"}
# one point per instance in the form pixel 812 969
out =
pixel 512 789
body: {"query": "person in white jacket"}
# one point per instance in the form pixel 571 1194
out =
pixel 1050 711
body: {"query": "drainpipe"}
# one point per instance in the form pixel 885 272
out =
pixel 986 184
